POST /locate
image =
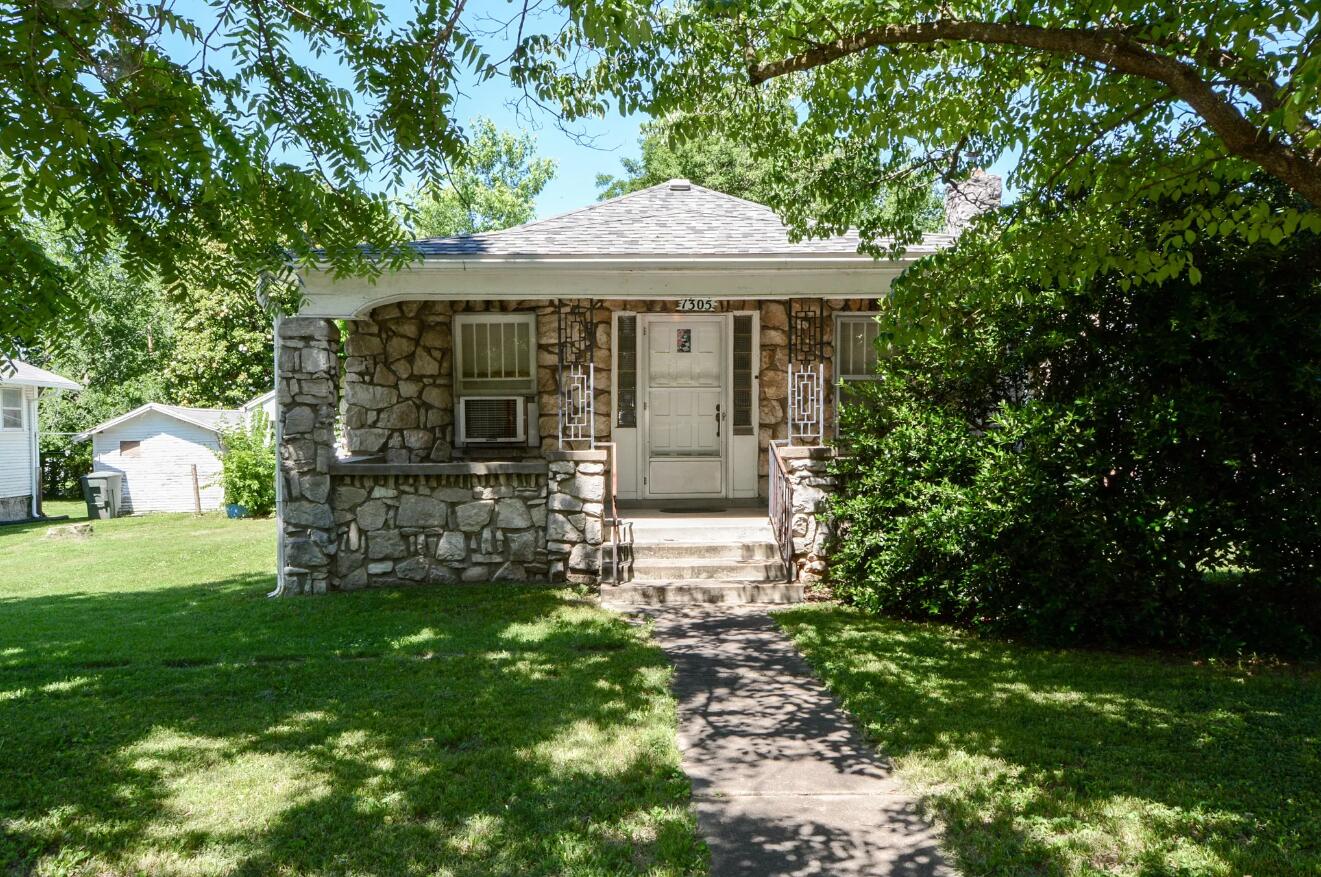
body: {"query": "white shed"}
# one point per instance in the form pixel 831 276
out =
pixel 156 447
pixel 20 452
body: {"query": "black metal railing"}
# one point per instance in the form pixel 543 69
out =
pixel 782 508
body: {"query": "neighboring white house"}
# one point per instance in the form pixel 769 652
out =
pixel 264 403
pixel 158 448
pixel 20 452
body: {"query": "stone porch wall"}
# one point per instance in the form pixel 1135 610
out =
pixel 808 471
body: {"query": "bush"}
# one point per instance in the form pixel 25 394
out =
pixel 1099 464
pixel 248 466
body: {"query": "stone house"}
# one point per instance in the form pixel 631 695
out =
pixel 514 399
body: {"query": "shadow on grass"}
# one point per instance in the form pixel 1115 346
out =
pixel 485 730
pixel 1059 762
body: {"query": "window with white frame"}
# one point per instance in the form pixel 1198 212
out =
pixel 11 408
pixel 495 354
pixel 855 346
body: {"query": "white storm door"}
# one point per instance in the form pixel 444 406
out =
pixel 685 405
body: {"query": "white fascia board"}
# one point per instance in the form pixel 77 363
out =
pixel 462 279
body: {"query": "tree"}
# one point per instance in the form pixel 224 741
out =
pixel 1094 462
pixel 224 347
pixel 712 161
pixel 1151 100
pixel 718 162
pixel 165 132
pixel 496 186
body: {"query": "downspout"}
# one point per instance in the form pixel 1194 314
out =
pixel 35 443
pixel 279 475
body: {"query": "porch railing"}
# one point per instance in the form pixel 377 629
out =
pixel 618 536
pixel 782 508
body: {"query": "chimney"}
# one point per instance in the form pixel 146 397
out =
pixel 966 199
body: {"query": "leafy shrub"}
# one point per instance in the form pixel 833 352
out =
pixel 1107 463
pixel 248 466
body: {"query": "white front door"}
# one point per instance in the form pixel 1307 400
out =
pixel 684 397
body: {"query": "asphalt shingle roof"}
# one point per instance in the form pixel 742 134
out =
pixel 676 218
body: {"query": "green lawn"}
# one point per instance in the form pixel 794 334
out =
pixel 1046 762
pixel 160 715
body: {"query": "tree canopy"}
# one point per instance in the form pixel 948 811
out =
pixel 712 161
pixel 1144 100
pixel 165 128
pixel 495 187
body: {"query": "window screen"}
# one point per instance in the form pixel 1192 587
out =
pixel 855 346
pixel 495 354
pixel 129 447
pixel 743 374
pixel 627 379
pixel 11 408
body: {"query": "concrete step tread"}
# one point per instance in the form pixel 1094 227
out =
pixel 693 592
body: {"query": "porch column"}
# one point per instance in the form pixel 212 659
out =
pixel 308 398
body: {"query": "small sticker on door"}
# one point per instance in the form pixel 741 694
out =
pixel 684 342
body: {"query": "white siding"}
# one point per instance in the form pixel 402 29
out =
pixel 158 475
pixel 16 453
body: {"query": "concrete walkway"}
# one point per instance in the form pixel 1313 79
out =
pixel 782 782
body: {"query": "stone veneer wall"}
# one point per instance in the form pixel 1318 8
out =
pixel 399 380
pixel 307 385
pixel 469 522
pixel 808 471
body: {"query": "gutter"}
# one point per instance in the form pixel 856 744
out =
pixel 34 441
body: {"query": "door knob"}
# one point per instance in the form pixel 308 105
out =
pixel 717 420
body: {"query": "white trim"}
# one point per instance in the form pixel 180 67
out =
pixel 354 297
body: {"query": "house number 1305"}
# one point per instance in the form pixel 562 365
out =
pixel 697 304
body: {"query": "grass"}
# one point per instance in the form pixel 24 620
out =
pixel 1049 762
pixel 160 715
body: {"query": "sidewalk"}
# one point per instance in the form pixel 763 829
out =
pixel 782 782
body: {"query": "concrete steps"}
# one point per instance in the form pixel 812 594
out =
pixel 698 559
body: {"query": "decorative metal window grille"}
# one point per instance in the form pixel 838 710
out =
pixel 627 375
pixel 807 369
pixel 576 353
pixel 743 374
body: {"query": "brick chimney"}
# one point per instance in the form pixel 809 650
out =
pixel 966 199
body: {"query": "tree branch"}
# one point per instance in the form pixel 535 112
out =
pixel 1115 49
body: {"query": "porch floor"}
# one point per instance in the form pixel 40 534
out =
pixel 730 526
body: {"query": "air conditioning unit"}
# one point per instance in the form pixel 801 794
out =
pixel 492 420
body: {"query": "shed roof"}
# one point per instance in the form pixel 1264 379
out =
pixel 213 419
pixel 17 373
pixel 675 218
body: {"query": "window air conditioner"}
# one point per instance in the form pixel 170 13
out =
pixel 491 420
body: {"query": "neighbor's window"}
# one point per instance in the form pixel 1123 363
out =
pixel 495 354
pixel 855 346
pixel 11 408
pixel 129 448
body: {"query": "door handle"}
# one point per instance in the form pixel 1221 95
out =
pixel 717 420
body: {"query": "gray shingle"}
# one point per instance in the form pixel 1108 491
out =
pixel 672 219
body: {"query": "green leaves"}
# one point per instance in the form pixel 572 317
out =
pixel 495 186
